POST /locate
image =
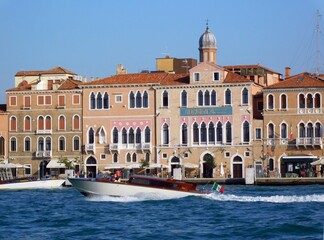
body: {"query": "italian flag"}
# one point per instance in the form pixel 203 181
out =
pixel 218 188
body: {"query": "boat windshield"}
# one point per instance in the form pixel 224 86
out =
pixel 153 182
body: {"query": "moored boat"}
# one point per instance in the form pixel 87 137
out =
pixel 29 183
pixel 136 184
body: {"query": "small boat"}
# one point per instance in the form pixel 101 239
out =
pixel 30 183
pixel 137 184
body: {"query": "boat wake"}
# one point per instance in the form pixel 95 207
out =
pixel 270 199
pixel 135 198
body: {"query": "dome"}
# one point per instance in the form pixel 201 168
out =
pixel 207 40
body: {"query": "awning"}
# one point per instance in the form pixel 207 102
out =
pixel 54 163
pixel 134 165
pixel 318 162
pixel 299 159
pixel 156 165
pixel 8 165
pixel 114 166
pixel 190 165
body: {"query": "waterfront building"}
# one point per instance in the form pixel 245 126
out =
pixel 45 113
pixel 175 65
pixel 3 133
pixel 293 125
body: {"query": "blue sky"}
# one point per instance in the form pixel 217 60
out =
pixel 90 37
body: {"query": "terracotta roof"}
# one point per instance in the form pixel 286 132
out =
pixel 69 84
pixel 235 78
pixel 249 66
pixel 142 78
pixel 56 70
pixel 302 80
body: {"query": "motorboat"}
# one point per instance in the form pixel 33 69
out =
pixel 136 184
pixel 30 183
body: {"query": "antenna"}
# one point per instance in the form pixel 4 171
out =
pixel 318 32
pixel 185 61
pixel 166 52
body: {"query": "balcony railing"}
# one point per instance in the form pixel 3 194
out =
pixel 307 141
pixel 90 147
pixel 43 154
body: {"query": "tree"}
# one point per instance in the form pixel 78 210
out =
pixel 69 164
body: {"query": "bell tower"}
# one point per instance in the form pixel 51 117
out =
pixel 207 47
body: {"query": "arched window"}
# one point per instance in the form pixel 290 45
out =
pixel 283 101
pixel 147 135
pixel 207 98
pixel 27 124
pixel 228 133
pixel 213 98
pixel 61 123
pixel 91 136
pixel 40 125
pixel 195 133
pixel 128 158
pixel 318 130
pixel 99 101
pixel 271 131
pixel 92 101
pixel 317 100
pixel 102 136
pixel 2 146
pixel 48 144
pixel 61 143
pixel 48 123
pixel 211 133
pixel 309 101
pixel 76 122
pixel 131 100
pixel 131 136
pixel 40 144
pixel 310 132
pixel 246 132
pixel 138 135
pixel 27 144
pixel 145 100
pixel 165 134
pixel 134 158
pixel 271 164
pixel 203 133
pixel 184 99
pixel 283 131
pixel 106 101
pixel 138 99
pixel 115 158
pixel 228 97
pixel 302 130
pixel 76 143
pixel 219 133
pixel 165 99
pixel 301 99
pixel 184 134
pixel 200 98
pixel 13 144
pixel 245 96
pixel 115 135
pixel 124 136
pixel 270 102
pixel 13 123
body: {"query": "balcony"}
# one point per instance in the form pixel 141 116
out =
pixel 309 142
pixel 113 147
pixel 90 148
pixel 309 110
pixel 44 131
pixel 43 154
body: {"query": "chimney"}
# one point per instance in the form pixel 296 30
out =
pixel 121 69
pixel 287 72
pixel 91 79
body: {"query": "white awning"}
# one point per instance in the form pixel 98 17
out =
pixel 318 162
pixel 190 165
pixel 8 165
pixel 134 165
pixel 156 165
pixel 114 166
pixel 54 163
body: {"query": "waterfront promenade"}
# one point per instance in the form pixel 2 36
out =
pixel 260 181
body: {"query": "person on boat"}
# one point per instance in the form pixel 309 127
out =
pixel 118 175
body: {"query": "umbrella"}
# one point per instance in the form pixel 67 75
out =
pixel 222 172
pixel 318 162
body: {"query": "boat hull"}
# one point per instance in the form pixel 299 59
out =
pixel 32 184
pixel 90 187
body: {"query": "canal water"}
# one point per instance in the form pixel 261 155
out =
pixel 242 212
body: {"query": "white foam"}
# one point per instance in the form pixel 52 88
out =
pixel 271 199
